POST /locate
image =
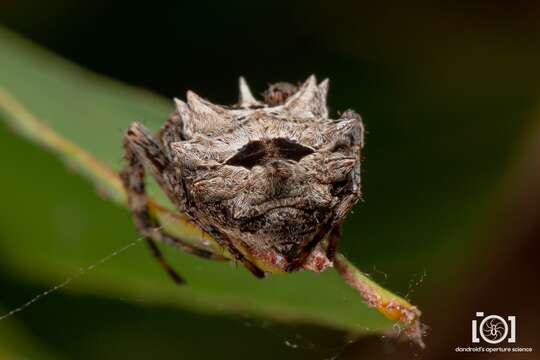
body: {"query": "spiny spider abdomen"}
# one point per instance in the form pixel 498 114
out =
pixel 269 180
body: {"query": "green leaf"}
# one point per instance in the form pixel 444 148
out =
pixel 81 117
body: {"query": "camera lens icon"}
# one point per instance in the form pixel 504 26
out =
pixel 494 329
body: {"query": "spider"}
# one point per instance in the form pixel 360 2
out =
pixel 270 180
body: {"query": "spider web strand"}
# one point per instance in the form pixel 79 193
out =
pixel 70 279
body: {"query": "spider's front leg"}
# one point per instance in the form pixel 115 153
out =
pixel 142 151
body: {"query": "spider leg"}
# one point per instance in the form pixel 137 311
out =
pixel 140 151
pixel 299 259
pixel 334 234
pixel 172 131
pixel 227 244
pixel 162 262
pixel 333 239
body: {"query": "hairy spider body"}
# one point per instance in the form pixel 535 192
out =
pixel 269 181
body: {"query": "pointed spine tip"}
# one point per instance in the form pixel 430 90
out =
pixel 243 83
pixel 310 98
pixel 246 97
pixel 200 105
pixel 192 97
pixel 311 80
pixel 178 102
pixel 181 106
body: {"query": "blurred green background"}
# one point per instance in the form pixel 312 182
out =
pixel 450 219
